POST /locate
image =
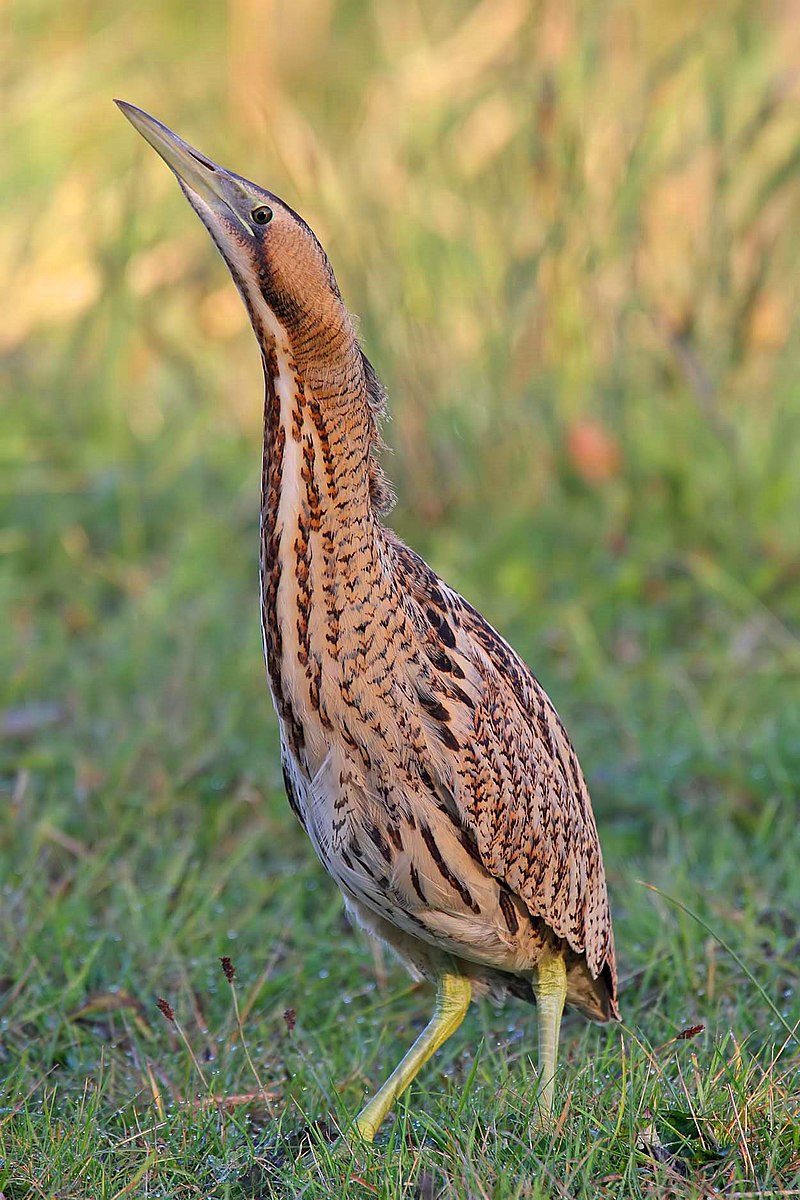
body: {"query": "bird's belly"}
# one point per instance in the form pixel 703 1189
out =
pixel 410 871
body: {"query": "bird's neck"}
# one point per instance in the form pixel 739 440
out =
pixel 319 433
pixel 320 538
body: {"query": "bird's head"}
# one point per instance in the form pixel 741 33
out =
pixel 287 285
pixel 278 265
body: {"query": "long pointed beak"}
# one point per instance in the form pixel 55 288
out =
pixel 197 175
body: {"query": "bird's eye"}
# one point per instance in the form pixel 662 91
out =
pixel 261 215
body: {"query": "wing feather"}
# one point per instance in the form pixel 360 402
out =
pixel 516 780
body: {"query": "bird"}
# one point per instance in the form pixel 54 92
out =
pixel 421 756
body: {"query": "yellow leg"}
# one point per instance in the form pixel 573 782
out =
pixel 550 989
pixel 452 1001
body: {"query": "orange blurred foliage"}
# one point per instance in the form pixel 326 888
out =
pixel 593 452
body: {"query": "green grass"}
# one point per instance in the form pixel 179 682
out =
pixel 572 241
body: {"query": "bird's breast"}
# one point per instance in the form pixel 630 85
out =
pixel 337 641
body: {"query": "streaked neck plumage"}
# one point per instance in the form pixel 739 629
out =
pixel 321 495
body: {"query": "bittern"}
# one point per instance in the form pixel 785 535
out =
pixel 421 756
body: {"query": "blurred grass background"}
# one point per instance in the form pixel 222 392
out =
pixel 571 235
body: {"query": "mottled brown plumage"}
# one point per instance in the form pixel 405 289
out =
pixel 424 760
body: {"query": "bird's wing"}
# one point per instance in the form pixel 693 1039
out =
pixel 504 757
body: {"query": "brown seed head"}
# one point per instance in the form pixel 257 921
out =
pixel 166 1008
pixel 686 1034
pixel 229 970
